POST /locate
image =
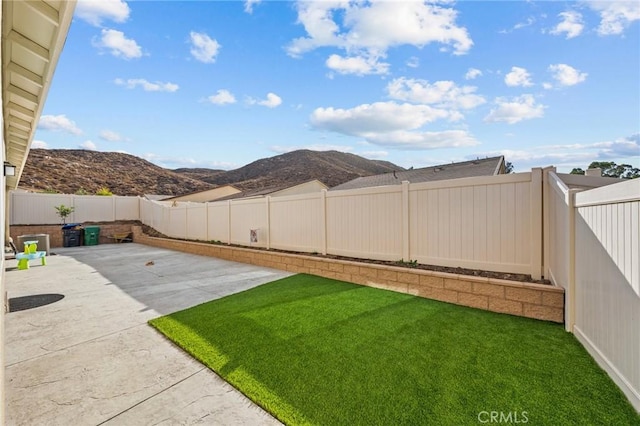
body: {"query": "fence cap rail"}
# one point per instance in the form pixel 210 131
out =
pixel 621 192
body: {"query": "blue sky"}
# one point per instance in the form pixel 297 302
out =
pixel 220 84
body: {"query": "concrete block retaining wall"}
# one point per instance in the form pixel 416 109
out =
pixel 56 236
pixel 539 301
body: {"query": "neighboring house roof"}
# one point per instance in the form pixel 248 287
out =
pixel 480 167
pixel 156 197
pixel 207 195
pixel 274 191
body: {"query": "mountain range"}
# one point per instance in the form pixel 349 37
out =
pixel 73 171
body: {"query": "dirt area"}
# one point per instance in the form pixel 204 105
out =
pixel 402 264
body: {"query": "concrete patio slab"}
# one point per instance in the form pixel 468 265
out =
pixel 91 358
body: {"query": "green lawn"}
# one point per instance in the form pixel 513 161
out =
pixel 312 350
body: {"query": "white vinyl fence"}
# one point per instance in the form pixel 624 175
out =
pixel 490 223
pixel 593 240
pixel 607 281
pixel 26 208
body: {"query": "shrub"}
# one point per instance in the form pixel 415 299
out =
pixel 104 191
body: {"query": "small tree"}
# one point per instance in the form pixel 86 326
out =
pixel 508 167
pixel 64 211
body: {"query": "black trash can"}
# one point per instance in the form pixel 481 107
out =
pixel 72 235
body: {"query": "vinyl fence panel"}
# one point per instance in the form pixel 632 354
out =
pixel 247 215
pixel 28 208
pixel 365 223
pixel 196 222
pixel 38 209
pixel 482 223
pixel 297 222
pixel 608 281
pixel 559 230
pixel 218 221
pixel 177 221
pixel 90 208
pixel 127 208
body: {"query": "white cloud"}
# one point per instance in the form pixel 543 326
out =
pixel 95 11
pixel 445 94
pixel 222 97
pixel 547 85
pixel 369 29
pixel 518 77
pixel 119 46
pixel 571 24
pixel 248 5
pixel 272 101
pixel 391 124
pixel 59 123
pixel 413 62
pixel 375 118
pixel 472 73
pixel 403 139
pixel 514 110
pixel 147 86
pixel 566 75
pixel 615 16
pixel 88 145
pixel 111 136
pixel 39 145
pixel 530 21
pixel 358 65
pixel 622 147
pixel 204 48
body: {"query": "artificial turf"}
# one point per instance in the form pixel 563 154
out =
pixel 312 350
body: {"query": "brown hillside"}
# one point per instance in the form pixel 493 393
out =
pixel 330 167
pixel 205 175
pixel 69 170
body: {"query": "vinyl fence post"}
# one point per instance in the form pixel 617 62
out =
pixel 206 218
pixel 545 219
pixel 323 219
pixel 406 255
pixel 570 298
pixel 268 201
pixel 536 223
pixel 229 222
pixel 186 220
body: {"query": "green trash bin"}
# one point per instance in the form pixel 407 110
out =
pixel 91 235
